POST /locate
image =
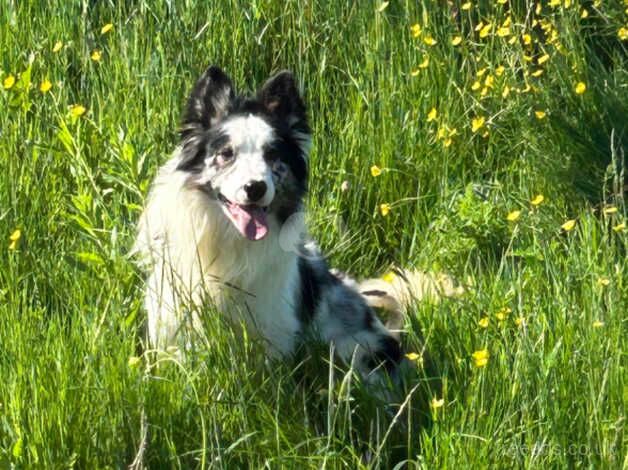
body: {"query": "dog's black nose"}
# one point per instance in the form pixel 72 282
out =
pixel 255 190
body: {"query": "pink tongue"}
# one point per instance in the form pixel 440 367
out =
pixel 249 220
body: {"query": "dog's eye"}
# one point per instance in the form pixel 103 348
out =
pixel 225 155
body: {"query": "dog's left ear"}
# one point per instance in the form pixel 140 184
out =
pixel 281 98
pixel 208 102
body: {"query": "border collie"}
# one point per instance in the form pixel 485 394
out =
pixel 213 224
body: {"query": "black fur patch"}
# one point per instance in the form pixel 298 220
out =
pixel 369 316
pixel 315 278
pixel 388 354
pixel 208 102
pixel 286 210
pixel 195 150
pixel 375 292
pixel 310 290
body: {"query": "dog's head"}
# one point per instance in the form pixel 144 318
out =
pixel 248 154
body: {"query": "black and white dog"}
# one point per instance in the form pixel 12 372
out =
pixel 211 231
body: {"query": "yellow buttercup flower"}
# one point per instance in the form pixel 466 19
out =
pixel 375 171
pixel 505 91
pixel 610 210
pixel 503 313
pixel 456 40
pixel 412 356
pixel 476 85
pixel 425 63
pixel 622 34
pixel 430 41
pixel 537 73
pixel 106 28
pixel 8 82
pixel 544 58
pixel 503 31
pixel 477 123
pixel 580 88
pixel 466 6
pixel 483 322
pixel 540 114
pixel 57 47
pixel 513 216
pixel 569 225
pixel 527 39
pixel 415 72
pixel 432 115
pixel 437 403
pixel 415 30
pixel 499 71
pixel 134 361
pixel 597 324
pixel 519 321
pixel 447 142
pixel 389 277
pixel 77 110
pixel 45 86
pixel 384 209
pixel 96 55
pixel 537 200
pixel 480 357
pixel 603 281
pixel 619 227
pixel 14 239
pixel 486 30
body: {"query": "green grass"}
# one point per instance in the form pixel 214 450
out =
pixel 553 393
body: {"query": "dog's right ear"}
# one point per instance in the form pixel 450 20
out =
pixel 209 101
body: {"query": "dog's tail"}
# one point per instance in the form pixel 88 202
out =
pixel 398 289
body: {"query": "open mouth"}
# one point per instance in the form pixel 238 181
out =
pixel 250 220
